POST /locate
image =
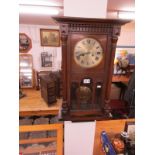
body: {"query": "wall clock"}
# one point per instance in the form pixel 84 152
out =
pixel 88 50
pixel 25 43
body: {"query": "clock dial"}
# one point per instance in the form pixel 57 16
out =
pixel 88 53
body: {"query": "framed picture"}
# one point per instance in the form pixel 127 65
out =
pixel 25 43
pixel 124 59
pixel 130 129
pixel 50 37
pixel 46 59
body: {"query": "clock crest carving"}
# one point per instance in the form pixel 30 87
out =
pixel 88 50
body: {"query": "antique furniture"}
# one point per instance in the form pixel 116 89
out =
pixel 48 89
pixel 126 103
pixel 88 50
pixel 25 43
pixel 53 74
pixel 26 79
pixel 38 74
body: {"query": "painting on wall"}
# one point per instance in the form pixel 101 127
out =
pixel 130 129
pixel 46 59
pixel 124 60
pixel 50 37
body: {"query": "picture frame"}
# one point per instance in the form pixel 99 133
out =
pixel 127 54
pixel 46 59
pixel 130 129
pixel 50 37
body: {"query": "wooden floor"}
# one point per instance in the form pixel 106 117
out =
pixel 112 127
pixel 33 104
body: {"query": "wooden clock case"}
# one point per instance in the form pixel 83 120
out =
pixel 94 83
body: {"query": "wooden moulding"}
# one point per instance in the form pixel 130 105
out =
pixel 50 127
pixel 38 140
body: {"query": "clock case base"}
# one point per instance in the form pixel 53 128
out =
pixel 86 115
pixel 84 118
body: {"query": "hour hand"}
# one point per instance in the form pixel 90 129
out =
pixel 87 52
pixel 81 54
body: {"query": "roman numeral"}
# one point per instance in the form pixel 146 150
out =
pixel 88 41
pixel 77 52
pixel 82 62
pixel 93 43
pixel 96 58
pixel 78 47
pixel 83 42
pixel 78 57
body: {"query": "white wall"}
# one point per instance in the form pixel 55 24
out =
pixel 85 8
pixel 79 138
pixel 33 31
pixel 127 37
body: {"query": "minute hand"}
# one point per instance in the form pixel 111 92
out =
pixel 83 54
pixel 87 53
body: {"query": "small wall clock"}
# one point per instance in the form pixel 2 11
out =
pixel 25 43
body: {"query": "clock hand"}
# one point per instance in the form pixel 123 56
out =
pixel 83 54
pixel 87 53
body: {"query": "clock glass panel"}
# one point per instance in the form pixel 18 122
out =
pixel 88 53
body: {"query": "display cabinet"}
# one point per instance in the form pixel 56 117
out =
pixel 25 71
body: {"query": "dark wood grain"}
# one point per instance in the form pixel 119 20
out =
pixel 106 32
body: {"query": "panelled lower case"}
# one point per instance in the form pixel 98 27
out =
pixel 88 50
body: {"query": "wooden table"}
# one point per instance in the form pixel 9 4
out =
pixel 111 127
pixel 122 82
pixel 33 104
pixel 120 78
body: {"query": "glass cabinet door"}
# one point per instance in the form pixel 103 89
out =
pixel 25 71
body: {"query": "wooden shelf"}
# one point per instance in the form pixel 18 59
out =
pixel 44 127
pixel 34 150
pixel 40 140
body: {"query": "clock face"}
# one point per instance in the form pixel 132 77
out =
pixel 88 53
